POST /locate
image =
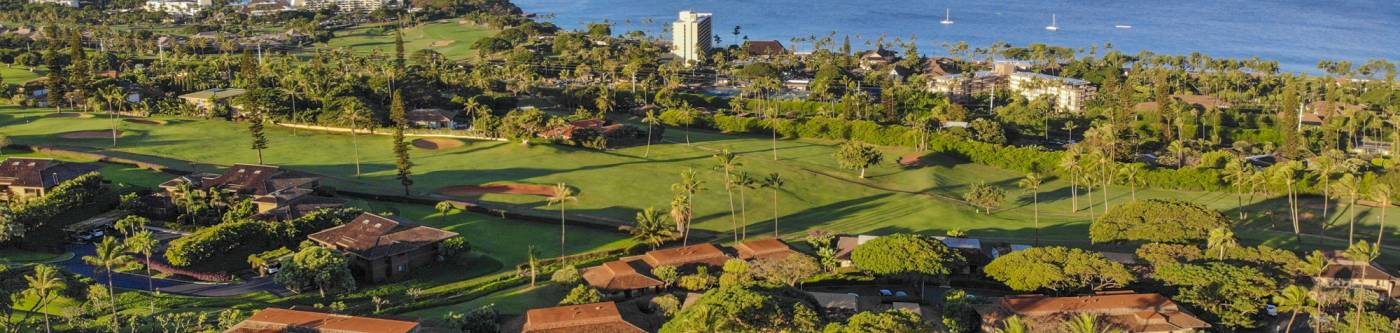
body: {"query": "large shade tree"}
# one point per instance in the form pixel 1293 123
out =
pixel 1058 270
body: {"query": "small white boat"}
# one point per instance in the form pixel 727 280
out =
pixel 1053 25
pixel 947 17
pixel 1123 26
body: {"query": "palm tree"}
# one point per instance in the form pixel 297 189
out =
pixel 1294 299
pixel 1132 175
pixel 111 95
pixel 1222 238
pixel 744 181
pixel 562 194
pixel 1362 254
pixel 1351 186
pixel 109 253
pixel 652 228
pixel 651 120
pixel 680 214
pixel 1032 184
pixel 1070 164
pixel 1324 167
pixel 1381 193
pixel 354 114
pixel 1013 324
pixel 775 182
pixel 533 258
pixel 727 163
pixel 689 185
pixel 144 242
pixel 1238 172
pixel 42 285
pixel 1286 174
pixel 1179 149
pixel 1314 265
pixel 1085 323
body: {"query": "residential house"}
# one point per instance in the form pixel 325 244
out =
pixel 767 248
pixel 764 48
pixel 584 318
pixel 974 255
pixel 621 277
pixel 25 177
pixel 67 3
pixel 275 320
pixel 1317 112
pixel 1199 102
pixel 696 254
pixel 277 192
pixel 845 245
pixel 382 247
pixel 838 305
pixel 176 7
pixel 1131 312
pixel 208 99
pixel 1346 273
pixel 877 58
pixel 432 118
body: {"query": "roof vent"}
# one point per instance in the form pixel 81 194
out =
pixel 257 172
pixel 241 170
pixel 378 225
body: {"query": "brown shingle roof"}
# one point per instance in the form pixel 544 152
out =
pixel 259 179
pixel 764 48
pixel 1131 311
pixel 40 172
pixel 425 115
pixel 585 318
pixel 763 249
pixel 620 275
pixel 285 320
pixel 372 236
pixel 703 253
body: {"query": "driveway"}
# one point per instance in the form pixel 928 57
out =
pixel 178 287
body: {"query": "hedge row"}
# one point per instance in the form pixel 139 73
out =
pixel 158 266
pixel 77 192
pixel 256 235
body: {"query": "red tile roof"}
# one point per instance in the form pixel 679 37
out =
pixel 763 249
pixel 620 275
pixel 703 253
pixel 272 320
pixel 1131 311
pixel 372 236
pixel 259 179
pixel 585 318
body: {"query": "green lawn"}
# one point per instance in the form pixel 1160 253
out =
pixel 18 74
pixel 450 37
pixel 614 184
pixel 513 301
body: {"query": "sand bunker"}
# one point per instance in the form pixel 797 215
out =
pixel 66 115
pixel 144 121
pixel 436 144
pixel 913 160
pixel 102 134
pixel 443 42
pixel 475 190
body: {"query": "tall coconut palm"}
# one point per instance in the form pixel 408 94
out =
pixel 1286 175
pixel 1351 186
pixel 563 194
pixel 1294 299
pixel 744 181
pixel 110 253
pixel 651 120
pixel 1238 172
pixel 1223 239
pixel 1069 163
pixel 112 95
pixel 727 163
pixel 144 242
pixel 651 227
pixel 680 214
pixel 774 181
pixel 1032 184
pixel 689 185
pixel 1132 175
pixel 1380 193
pixel 354 114
pixel 533 258
pixel 1324 167
pixel 42 284
pixel 1362 254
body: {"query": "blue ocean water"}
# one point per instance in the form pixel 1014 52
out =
pixel 1297 33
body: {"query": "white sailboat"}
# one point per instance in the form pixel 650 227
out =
pixel 1053 25
pixel 947 17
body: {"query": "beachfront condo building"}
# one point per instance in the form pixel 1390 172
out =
pixel 690 36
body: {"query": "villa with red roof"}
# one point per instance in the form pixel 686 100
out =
pixel 1131 312
pixel 384 248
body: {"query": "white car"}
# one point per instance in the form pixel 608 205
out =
pixel 1272 310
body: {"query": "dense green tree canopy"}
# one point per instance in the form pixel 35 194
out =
pixel 1156 221
pixel 746 310
pixel 905 255
pixel 1058 269
pixel 1233 295
pixel 894 321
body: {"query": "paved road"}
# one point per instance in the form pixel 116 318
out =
pixel 140 282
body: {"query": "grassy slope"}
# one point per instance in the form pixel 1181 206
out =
pixel 18 74
pixel 616 183
pixel 360 40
